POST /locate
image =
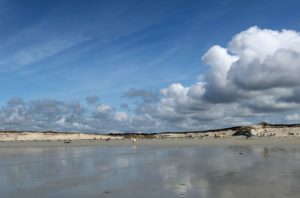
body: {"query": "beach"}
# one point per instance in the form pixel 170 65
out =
pixel 208 141
pixel 151 168
pixel 208 164
pixel 149 99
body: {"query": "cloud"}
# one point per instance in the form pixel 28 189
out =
pixel 183 108
pixel 48 114
pixel 15 101
pixel 145 95
pixel 132 92
pixel 218 87
pixel 252 79
pixel 293 117
pixel 255 60
pixel 34 53
pixel 256 75
pixel 121 116
pixel 92 99
pixel 103 108
pixel 267 59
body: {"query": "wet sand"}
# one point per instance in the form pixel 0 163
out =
pixel 160 142
pixel 206 168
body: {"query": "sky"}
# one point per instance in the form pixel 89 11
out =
pixel 148 66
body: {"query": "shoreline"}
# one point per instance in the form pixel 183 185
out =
pixel 232 141
pixel 263 134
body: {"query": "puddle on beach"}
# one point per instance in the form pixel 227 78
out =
pixel 150 171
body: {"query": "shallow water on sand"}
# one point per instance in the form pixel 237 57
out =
pixel 150 171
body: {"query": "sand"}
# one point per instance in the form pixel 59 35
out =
pixel 291 132
pixel 154 168
pixel 42 136
pixel 46 165
pixel 208 141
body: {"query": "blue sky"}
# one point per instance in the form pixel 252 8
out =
pixel 69 50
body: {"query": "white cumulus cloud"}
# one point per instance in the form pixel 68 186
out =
pixel 256 74
pixel 102 108
pixel 255 77
pixel 121 116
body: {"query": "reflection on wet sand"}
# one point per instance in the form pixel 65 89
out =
pixel 148 171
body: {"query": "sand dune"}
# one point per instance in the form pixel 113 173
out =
pixel 263 130
pixel 15 136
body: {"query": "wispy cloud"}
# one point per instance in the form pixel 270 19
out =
pixel 40 51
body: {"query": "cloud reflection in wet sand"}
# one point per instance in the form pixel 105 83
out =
pixel 236 171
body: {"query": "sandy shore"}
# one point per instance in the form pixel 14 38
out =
pixel 277 141
pixel 227 168
pixel 260 135
pixel 190 164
